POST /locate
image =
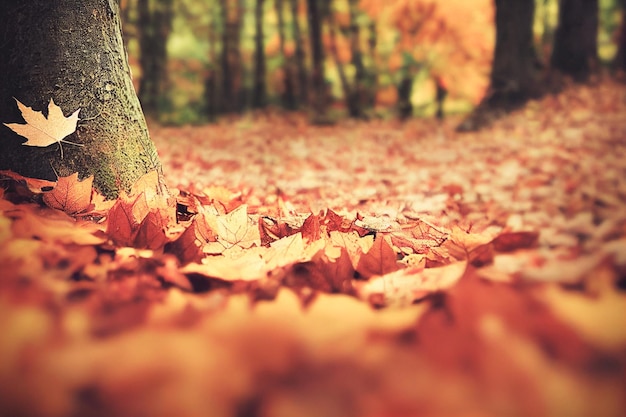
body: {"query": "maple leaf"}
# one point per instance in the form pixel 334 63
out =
pixel 41 131
pixel 70 195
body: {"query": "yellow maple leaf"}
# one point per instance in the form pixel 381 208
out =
pixel 41 131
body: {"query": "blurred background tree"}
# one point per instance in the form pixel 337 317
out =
pixel 197 60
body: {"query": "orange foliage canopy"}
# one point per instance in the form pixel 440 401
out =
pixel 455 38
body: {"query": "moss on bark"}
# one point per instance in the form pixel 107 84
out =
pixel 72 51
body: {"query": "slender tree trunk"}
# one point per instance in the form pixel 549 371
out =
pixel 259 91
pixel 232 15
pixel 225 58
pixel 620 58
pixel 72 51
pixel 372 43
pixel 348 93
pixel 210 82
pixel 299 54
pixel 318 81
pixel 359 89
pixel 575 50
pixel 288 95
pixel 155 25
pixel 405 88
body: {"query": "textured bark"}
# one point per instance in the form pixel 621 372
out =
pixel 259 92
pixel 575 51
pixel 155 25
pixel 72 51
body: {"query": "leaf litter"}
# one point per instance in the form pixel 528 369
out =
pixel 365 269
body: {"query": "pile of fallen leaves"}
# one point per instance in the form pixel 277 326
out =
pixel 366 269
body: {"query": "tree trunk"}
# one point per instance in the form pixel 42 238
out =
pixel 232 13
pixel 299 54
pixel 575 51
pixel 318 81
pixel 372 41
pixel 155 25
pixel 513 75
pixel 71 51
pixel 359 90
pixel 620 58
pixel 405 88
pixel 210 82
pixel 351 105
pixel 228 88
pixel 288 95
pixel 514 72
pixel 259 91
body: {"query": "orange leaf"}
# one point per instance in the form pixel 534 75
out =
pixel 236 228
pixel 151 232
pixel 507 242
pixel 70 195
pixel 34 185
pixel 379 260
pixel 407 285
pixel 122 223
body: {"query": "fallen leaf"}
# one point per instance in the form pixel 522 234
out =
pixel 507 242
pixel 403 287
pixel 235 228
pixel 379 260
pixel 34 185
pixel 70 195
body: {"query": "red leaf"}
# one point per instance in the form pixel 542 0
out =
pixel 507 242
pixel 151 232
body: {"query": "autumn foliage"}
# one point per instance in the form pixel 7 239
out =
pixel 453 39
pixel 367 269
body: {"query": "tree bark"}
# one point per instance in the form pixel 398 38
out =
pixel 155 25
pixel 71 51
pixel 259 91
pixel 575 51
pixel 318 81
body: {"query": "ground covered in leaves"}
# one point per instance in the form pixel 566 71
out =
pixel 366 269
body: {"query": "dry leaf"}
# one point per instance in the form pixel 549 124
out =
pixel 70 195
pixel 235 228
pixel 379 260
pixel 41 131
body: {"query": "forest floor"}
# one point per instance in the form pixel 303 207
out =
pixel 367 269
